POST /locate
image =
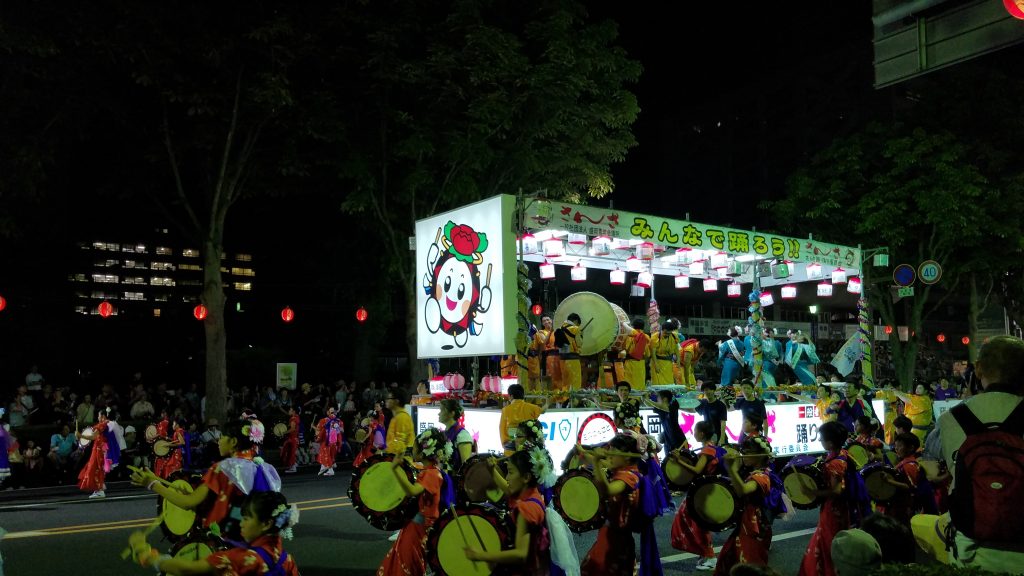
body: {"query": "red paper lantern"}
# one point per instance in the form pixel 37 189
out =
pixel 361 315
pixel 537 309
pixel 105 309
pixel 941 337
pixel 287 314
pixel 3 303
pixel 888 329
pixel 200 312
pixel 966 340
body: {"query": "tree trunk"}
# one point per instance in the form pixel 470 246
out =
pixel 216 332
pixel 417 368
pixel 974 310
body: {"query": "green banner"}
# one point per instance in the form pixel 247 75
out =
pixel 542 215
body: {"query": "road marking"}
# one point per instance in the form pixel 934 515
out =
pixel 132 497
pixel 775 538
pixel 138 523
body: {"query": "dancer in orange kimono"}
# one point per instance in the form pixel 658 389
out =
pixel 290 446
pixel 614 552
pixel 835 512
pixel 687 535
pixel 94 475
pixel 750 541
pixel 330 432
pixel 176 458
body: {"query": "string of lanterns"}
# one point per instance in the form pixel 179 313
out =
pixel 200 312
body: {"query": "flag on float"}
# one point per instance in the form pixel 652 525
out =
pixel 848 355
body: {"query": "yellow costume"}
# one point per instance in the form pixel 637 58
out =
pixel 517 411
pixel 636 370
pixel 509 368
pixel 664 352
pixel 549 355
pixel 689 353
pixel 919 410
pixel 533 356
pixel 572 369
pixel 400 434
pixel 891 412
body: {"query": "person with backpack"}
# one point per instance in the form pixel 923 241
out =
pixel 750 541
pixel 569 339
pixel 835 513
pixel 267 519
pixel 433 491
pixel 687 535
pixel 982 443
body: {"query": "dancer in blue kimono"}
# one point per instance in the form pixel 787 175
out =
pixel 803 357
pixel 731 357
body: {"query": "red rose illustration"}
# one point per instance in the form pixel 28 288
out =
pixel 464 239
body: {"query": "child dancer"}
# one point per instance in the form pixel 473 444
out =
pixel 835 513
pixel 687 535
pixel 614 554
pixel 750 541
pixel 904 505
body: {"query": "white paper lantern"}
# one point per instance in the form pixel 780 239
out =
pixel 547 270
pixel 617 277
pixel 733 290
pixel 824 289
pixel 682 281
pixel 722 273
pixel 788 292
pixel 854 286
pixel 578 273
pixel 814 271
pixel 711 285
pixel 634 264
pixel 529 244
pixel 767 299
pixel 645 251
pixel 601 245
pixel 554 248
pixel 577 239
pixel 718 259
pixel 645 279
pixel 839 276
pixel 684 256
pixel 697 268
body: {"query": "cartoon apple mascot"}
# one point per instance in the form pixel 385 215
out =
pixel 452 283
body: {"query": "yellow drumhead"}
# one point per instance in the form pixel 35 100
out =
pixel 927 529
pixel 579 498
pixel 178 520
pixel 676 473
pixel 379 489
pixel 193 551
pixel 878 488
pixel 795 490
pixel 858 454
pixel 450 545
pixel 715 503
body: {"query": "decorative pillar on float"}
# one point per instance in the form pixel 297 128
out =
pixel 755 323
pixel 864 328
pixel 523 284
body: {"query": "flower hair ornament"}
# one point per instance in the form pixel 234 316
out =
pixel 285 517
pixel 254 431
pixel 536 432
pixel 434 444
pixel 541 467
pixel 641 441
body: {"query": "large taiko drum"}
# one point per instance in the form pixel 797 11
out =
pixel 712 503
pixel 578 501
pixel 875 475
pixel 678 477
pixel 482 526
pixel 798 469
pixel 601 321
pixel 175 522
pixel 476 483
pixel 377 496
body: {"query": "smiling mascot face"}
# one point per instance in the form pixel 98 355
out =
pixel 457 291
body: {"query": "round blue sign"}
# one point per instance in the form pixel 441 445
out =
pixel 904 275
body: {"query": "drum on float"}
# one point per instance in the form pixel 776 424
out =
pixel 712 503
pixel 794 474
pixel 578 501
pixel 178 523
pixel 483 526
pixel 602 321
pixel 377 495
pixel 678 477
pixel 475 483
pixel 875 475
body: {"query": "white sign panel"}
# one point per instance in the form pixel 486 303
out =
pixel 792 428
pixel 466 303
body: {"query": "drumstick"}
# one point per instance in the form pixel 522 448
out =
pixel 149 529
pixel 477 533
pixel 451 508
pixel 488 275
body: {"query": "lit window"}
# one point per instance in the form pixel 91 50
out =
pixel 242 272
pixel 161 266
pixel 134 296
pixel 160 297
pixel 105 278
pixel 156 312
pixel 79 278
pixel 161 281
pixel 189 267
pixel 190 283
pixel 81 310
pixel 141 248
pixel 243 286
pixel 190 253
pixel 164 251
pixel 243 257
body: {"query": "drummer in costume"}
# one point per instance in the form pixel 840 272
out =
pixel 667 409
pixel 835 512
pixel 330 433
pixel 690 352
pixel 533 359
pixel 375 429
pixel 227 483
pixel 826 402
pixel 633 353
pixel 664 352
pixel 627 410
pixel 614 552
pixel 549 355
pixel 400 434
pixel 94 475
pixel 866 428
pixel 462 441
pixel 750 541
pixel 516 411
pixel 687 535
pixel 802 356
pixel 290 445
pixel 730 357
pixel 528 470
pixel 163 432
pixel 918 407
pixel 406 555
pixel 176 457
pixel 569 339
pixel 905 503
pixel 267 519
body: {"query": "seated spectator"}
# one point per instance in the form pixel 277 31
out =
pixel 34 380
pixel 142 409
pixel 21 407
pixel 133 453
pixel 62 444
pixel 86 412
pixel 33 456
pixel 894 538
pixel 855 553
